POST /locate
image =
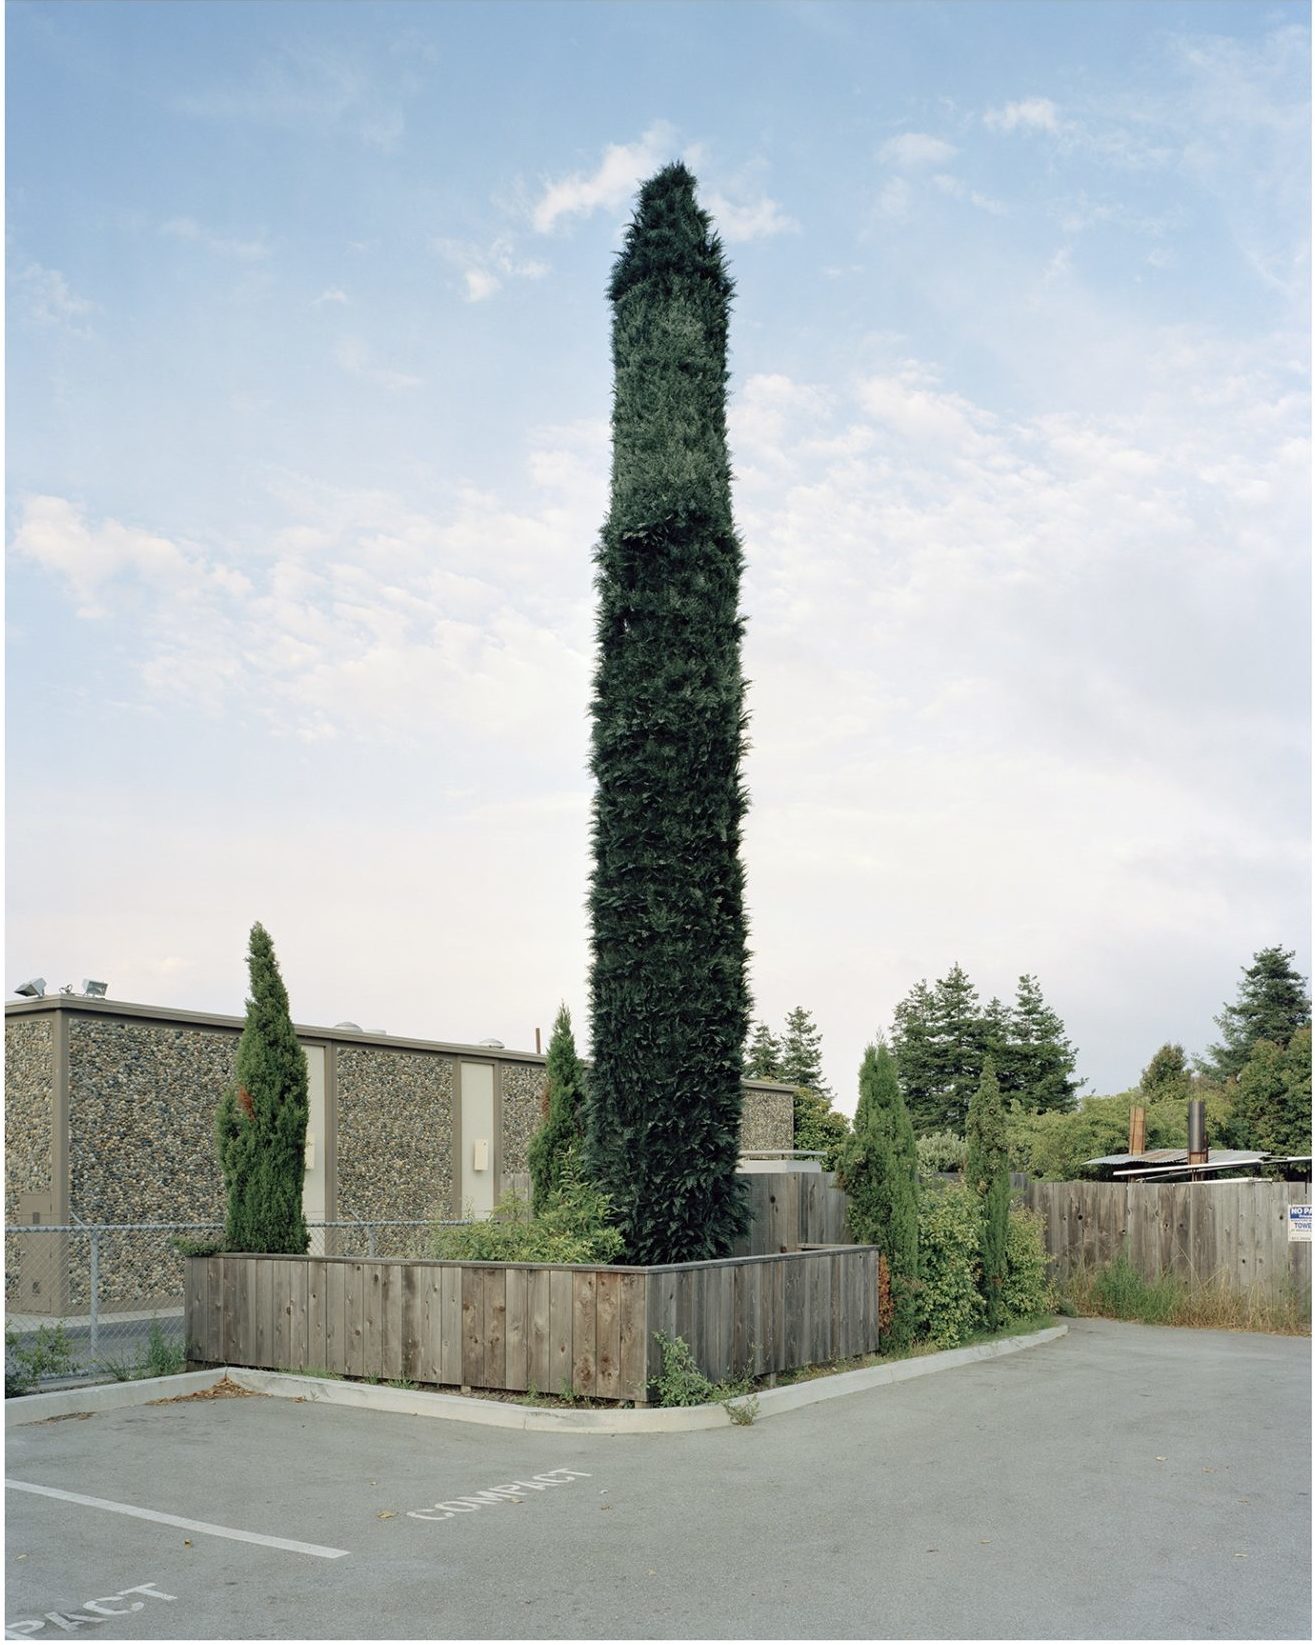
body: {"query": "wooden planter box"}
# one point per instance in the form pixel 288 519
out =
pixel 517 1326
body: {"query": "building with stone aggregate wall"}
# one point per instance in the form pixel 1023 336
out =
pixel 110 1109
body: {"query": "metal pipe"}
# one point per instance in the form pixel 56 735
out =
pixel 95 1291
pixel 1198 1148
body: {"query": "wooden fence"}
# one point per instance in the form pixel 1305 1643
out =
pixel 590 1331
pixel 1233 1231
pixel 790 1209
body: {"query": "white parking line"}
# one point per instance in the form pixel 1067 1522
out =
pixel 197 1525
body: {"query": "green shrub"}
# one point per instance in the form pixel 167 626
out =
pixel 939 1152
pixel 163 1358
pixel 555 1147
pixel 49 1354
pixel 188 1247
pixel 818 1127
pixel 574 1226
pixel 681 1382
pixel 1027 1288
pixel 950 1305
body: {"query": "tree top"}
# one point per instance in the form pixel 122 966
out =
pixel 670 237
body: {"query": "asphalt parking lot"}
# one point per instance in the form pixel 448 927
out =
pixel 1124 1482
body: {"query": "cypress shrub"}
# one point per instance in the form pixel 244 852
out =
pixel 987 1175
pixel 879 1172
pixel 555 1146
pixel 668 985
pixel 261 1123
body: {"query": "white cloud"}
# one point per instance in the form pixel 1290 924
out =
pixel 1031 114
pixel 357 358
pixel 188 229
pixel 47 299
pixel 485 269
pixel 916 148
pixel 610 185
pixel 332 294
pixel 757 220
pixel 947 183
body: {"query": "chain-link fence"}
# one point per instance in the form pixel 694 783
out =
pixel 102 1301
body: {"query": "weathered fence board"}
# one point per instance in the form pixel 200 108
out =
pixel 789 1209
pixel 1234 1233
pixel 516 1325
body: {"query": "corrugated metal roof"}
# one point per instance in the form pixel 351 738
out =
pixel 1178 1156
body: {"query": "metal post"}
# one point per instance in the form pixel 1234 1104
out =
pixel 95 1291
pixel 370 1240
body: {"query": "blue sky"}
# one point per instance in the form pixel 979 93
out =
pixel 308 386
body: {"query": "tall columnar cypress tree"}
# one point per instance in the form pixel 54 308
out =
pixel 987 1174
pixel 879 1172
pixel 669 989
pixel 261 1123
pixel 555 1146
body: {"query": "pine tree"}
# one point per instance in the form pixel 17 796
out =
pixel 1272 1004
pixel 801 1053
pixel 669 987
pixel 555 1147
pixel 762 1058
pixel 915 1057
pixel 1041 1058
pixel 958 1040
pixel 261 1124
pixel 879 1172
pixel 987 1174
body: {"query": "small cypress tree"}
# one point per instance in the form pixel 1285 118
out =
pixel 987 1174
pixel 555 1146
pixel 879 1172
pixel 261 1124
pixel 669 985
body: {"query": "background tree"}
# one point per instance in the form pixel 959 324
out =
pixel 987 1175
pixel 668 986
pixel 1272 1107
pixel 762 1056
pixel 801 1053
pixel 879 1172
pixel 261 1123
pixel 818 1127
pixel 1272 1004
pixel 1166 1076
pixel 1042 1060
pixel 554 1152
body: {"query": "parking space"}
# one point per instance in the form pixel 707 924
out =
pixel 1123 1482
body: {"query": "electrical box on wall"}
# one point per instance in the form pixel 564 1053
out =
pixel 480 1162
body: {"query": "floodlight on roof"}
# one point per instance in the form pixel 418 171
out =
pixel 493 1045
pixel 33 989
pixel 94 990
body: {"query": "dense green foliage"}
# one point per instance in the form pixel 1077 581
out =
pixel 940 1152
pixel 681 1382
pixel 261 1123
pixel 1027 1288
pixel 941 1037
pixel 1054 1147
pixel 1272 1105
pixel 879 1172
pixel 950 1305
pixel 669 988
pixel 575 1225
pixel 48 1354
pixel 555 1147
pixel 819 1128
pixel 986 1173
pixel 1166 1076
pixel 762 1055
pixel 1272 1004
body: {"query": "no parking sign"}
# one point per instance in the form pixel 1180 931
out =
pixel 1298 1223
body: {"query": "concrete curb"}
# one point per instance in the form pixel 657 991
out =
pixel 491 1413
pixel 105 1396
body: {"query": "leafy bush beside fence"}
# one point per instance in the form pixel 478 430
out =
pixel 950 1304
pixel 572 1227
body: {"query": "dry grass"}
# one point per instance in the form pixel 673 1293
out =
pixel 1117 1291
